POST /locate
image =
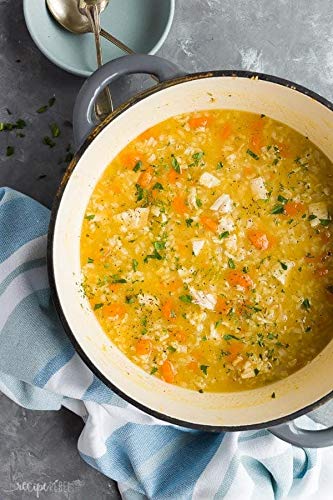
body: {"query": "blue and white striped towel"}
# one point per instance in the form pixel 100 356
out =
pixel 39 369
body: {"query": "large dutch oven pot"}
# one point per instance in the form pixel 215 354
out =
pixel 301 109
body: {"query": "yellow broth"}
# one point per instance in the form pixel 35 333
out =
pixel 206 251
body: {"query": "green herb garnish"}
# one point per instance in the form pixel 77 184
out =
pixel 98 306
pixel 48 141
pixel 90 217
pixel 10 151
pixel 175 164
pixel 137 166
pixel 231 264
pixel 55 130
pixel 277 209
pixel 223 235
pixel 306 304
pixel 204 368
pixel 252 154
pixel 186 298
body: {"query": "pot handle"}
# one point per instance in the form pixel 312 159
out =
pixel 303 438
pixel 84 119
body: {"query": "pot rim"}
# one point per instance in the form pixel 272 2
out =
pixel 53 220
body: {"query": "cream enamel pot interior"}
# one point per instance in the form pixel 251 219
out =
pixel 295 106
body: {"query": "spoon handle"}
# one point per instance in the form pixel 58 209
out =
pixel 103 106
pixel 120 45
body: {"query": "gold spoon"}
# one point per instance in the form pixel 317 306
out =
pixel 67 14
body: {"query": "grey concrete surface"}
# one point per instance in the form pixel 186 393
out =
pixel 289 38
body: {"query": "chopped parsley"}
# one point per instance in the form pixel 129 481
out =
pixel 223 235
pixel 171 348
pixel 135 264
pixel 55 130
pixel 48 142
pixel 90 260
pixel 204 368
pixel 306 304
pixel 277 209
pixel 252 154
pixel 158 186
pixel 219 165
pixel 231 264
pixel 90 217
pixel 284 266
pixel 198 202
pixel 229 336
pixel 189 222
pixel 137 166
pixel 197 157
pixel 153 370
pixel 186 298
pixel 97 306
pixel 10 151
pixel 282 199
pixel 175 164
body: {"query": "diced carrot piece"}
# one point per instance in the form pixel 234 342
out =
pixel 180 336
pixel 130 158
pixel 209 223
pixel 199 121
pixel 172 286
pixel 321 271
pixel 294 208
pixel 173 176
pixel 150 132
pixel 256 140
pixel 258 239
pixel 114 310
pixel 143 347
pixel 146 177
pixel 178 204
pixel 221 305
pixel 235 348
pixel 193 366
pixel 325 236
pixel 248 170
pixel 168 371
pixel 168 310
pixel 225 131
pixel 238 278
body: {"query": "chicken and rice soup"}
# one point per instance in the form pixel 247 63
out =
pixel 206 251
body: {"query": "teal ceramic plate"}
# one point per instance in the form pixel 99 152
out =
pixel 143 25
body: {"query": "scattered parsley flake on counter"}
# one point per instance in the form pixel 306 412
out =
pixel 42 109
pixel 252 154
pixel 55 130
pixel 186 298
pixel 48 141
pixel 204 368
pixel 52 100
pixel 10 151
